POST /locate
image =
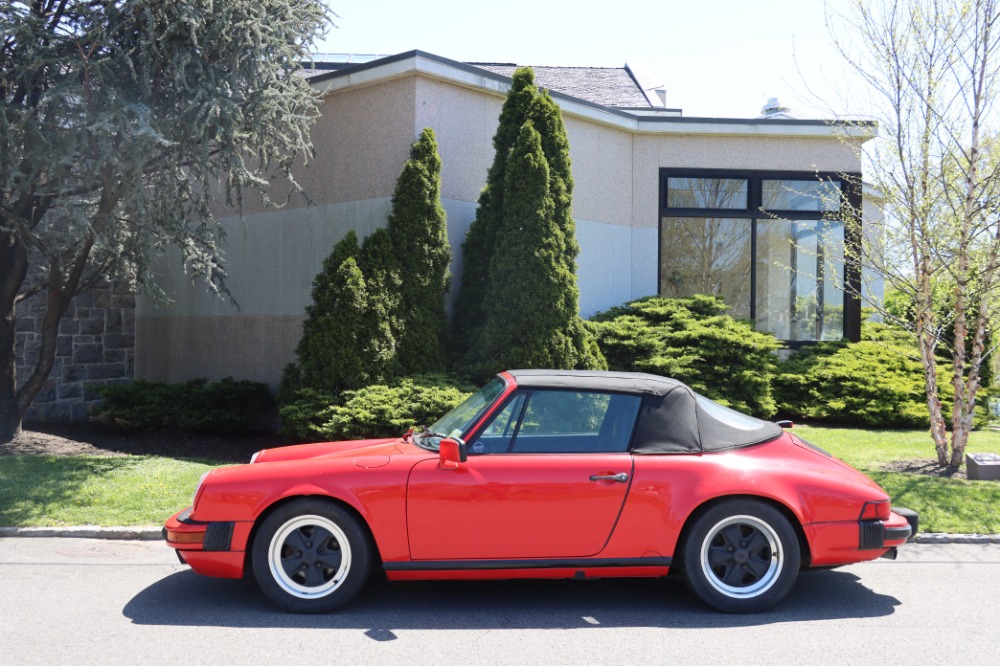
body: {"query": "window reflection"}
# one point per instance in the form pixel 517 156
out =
pixel 801 195
pixel 800 268
pixel 707 193
pixel 707 255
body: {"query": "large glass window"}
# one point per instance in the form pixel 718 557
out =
pixel 800 269
pixel 707 255
pixel 770 244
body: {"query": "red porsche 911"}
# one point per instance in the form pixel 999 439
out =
pixel 545 474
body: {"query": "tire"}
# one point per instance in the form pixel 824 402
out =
pixel 311 556
pixel 741 556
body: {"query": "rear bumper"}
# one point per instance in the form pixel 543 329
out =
pixel 898 529
pixel 209 548
pixel 834 544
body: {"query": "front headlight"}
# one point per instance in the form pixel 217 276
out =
pixel 254 457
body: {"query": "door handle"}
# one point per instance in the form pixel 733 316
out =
pixel 620 478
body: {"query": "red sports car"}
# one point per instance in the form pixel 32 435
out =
pixel 545 474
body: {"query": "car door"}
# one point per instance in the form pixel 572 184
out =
pixel 545 478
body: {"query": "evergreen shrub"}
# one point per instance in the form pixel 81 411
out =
pixel 380 410
pixel 692 340
pixel 227 406
pixel 347 339
pixel 518 304
pixel 418 235
pixel 877 382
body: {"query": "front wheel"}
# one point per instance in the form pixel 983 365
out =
pixel 311 556
pixel 742 556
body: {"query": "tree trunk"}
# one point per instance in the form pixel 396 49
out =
pixel 13 269
pixel 10 418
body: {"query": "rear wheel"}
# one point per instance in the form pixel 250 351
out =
pixel 311 556
pixel 741 556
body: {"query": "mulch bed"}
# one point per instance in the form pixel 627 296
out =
pixel 76 439
pixel 926 468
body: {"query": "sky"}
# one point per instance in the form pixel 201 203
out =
pixel 716 58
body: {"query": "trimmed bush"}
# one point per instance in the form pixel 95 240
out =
pixel 480 241
pixel 531 299
pixel 877 382
pixel 695 341
pixel 419 234
pixel 224 407
pixel 380 410
pixel 347 339
pixel 518 305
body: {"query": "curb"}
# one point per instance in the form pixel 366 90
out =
pixel 87 532
pixel 156 534
pixel 943 537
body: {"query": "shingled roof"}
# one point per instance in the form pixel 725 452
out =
pixel 607 86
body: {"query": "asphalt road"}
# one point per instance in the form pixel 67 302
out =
pixel 78 601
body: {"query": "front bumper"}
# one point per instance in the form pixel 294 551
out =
pixel 209 548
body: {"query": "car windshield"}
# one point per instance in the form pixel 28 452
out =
pixel 459 420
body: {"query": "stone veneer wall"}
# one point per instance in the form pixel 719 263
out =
pixel 96 345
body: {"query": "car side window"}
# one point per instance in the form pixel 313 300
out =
pixel 576 422
pixel 497 435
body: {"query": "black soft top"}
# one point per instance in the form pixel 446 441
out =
pixel 672 418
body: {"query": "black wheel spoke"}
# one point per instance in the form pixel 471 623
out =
pixel 758 566
pixel 732 535
pixel 757 542
pixel 314 576
pixel 296 540
pixel 292 564
pixel 719 556
pixel 331 559
pixel 733 576
pixel 320 536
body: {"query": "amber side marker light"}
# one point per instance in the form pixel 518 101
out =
pixel 185 537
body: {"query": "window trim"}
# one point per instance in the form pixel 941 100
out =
pixel 851 202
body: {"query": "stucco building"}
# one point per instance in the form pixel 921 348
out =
pixel 751 209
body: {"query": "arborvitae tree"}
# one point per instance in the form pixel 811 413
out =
pixel 483 328
pixel 531 297
pixel 346 340
pixel 419 236
pixel 547 119
pixel 480 242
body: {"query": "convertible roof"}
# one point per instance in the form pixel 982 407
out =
pixel 672 418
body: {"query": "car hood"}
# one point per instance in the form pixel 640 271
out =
pixel 359 449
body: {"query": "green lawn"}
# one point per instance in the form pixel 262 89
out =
pixel 91 490
pixel 144 490
pixel 945 505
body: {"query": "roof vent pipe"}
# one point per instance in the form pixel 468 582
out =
pixel 774 107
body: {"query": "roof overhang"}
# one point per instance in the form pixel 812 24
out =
pixel 433 66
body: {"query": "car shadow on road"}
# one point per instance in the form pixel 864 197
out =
pixel 186 599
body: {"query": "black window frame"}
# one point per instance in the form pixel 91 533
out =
pixel 850 206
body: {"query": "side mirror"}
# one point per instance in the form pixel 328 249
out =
pixel 452 451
